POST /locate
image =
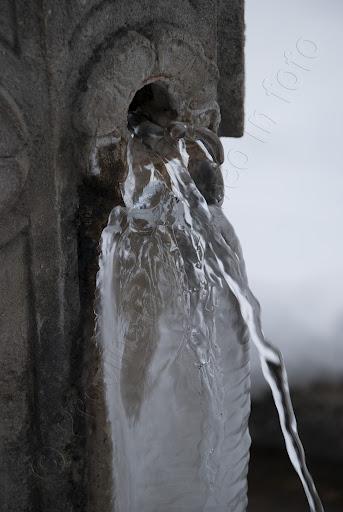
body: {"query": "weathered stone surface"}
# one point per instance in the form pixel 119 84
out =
pixel 16 381
pixel 69 71
pixel 231 66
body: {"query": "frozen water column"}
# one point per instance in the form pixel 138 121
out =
pixel 69 71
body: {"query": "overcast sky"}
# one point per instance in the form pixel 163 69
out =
pixel 285 179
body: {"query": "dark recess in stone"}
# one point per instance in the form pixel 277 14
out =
pixel 154 102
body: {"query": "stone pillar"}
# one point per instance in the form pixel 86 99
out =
pixel 69 71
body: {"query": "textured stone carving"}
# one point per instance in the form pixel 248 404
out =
pixel 182 60
pixel 108 87
pixel 13 158
pixel 8 25
pixel 15 379
pixel 135 60
pixel 230 59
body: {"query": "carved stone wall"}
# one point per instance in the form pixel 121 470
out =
pixel 69 71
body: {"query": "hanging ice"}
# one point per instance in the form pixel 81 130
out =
pixel 174 321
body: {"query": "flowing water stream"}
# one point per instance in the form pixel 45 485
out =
pixel 175 317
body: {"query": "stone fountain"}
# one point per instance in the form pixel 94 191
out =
pixel 69 73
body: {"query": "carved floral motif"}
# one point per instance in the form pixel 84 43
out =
pixel 136 59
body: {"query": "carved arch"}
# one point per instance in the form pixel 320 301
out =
pixel 108 83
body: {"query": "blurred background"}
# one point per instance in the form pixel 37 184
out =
pixel 284 196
